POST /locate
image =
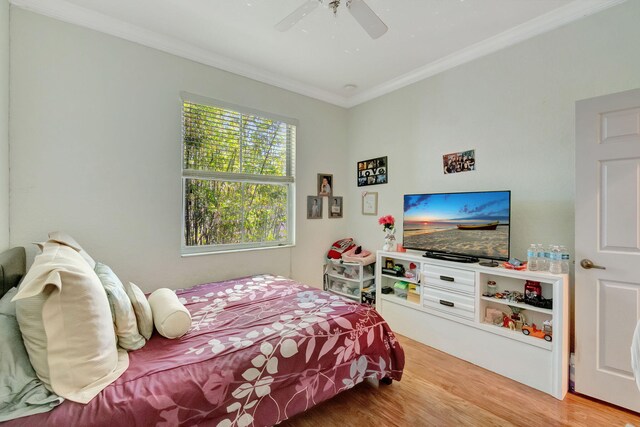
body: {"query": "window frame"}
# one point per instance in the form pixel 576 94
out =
pixel 289 180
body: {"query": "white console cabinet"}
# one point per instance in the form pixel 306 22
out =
pixel 445 308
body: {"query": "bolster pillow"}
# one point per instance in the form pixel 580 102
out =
pixel 171 318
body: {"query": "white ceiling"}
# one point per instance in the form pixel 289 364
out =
pixel 323 53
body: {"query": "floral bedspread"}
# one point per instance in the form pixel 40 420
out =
pixel 260 350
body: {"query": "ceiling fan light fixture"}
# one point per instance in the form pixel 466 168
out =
pixel 360 11
pixel 333 5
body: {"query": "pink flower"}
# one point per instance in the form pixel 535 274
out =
pixel 387 222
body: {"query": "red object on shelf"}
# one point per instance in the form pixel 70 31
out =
pixel 508 266
pixel 532 289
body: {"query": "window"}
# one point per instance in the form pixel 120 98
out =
pixel 238 177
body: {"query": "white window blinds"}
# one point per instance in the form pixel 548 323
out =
pixel 238 177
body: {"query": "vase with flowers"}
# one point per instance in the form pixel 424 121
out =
pixel 388 226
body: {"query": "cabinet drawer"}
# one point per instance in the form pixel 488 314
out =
pixel 448 302
pixel 450 278
pixel 346 287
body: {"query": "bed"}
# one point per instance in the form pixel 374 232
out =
pixel 260 350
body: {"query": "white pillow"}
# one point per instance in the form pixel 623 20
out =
pixel 65 239
pixel 66 324
pixel 121 309
pixel 171 318
pixel 141 307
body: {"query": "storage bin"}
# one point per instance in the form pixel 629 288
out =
pixel 413 297
pixel 367 270
pixel 400 289
pixel 400 293
pixel 351 272
pixel 344 287
pixel 351 286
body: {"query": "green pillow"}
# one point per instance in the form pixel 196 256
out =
pixel 6 306
pixel 122 312
pixel 21 392
pixel 142 309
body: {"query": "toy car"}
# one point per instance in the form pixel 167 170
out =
pixel 545 333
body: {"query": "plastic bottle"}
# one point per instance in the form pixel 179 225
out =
pixel 547 257
pixel 542 263
pixel 532 258
pixel 555 260
pixel 564 263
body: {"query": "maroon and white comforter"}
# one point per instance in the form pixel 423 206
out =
pixel 261 349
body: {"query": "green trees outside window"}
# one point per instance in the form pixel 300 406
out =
pixel 238 178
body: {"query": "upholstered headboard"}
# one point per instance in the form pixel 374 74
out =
pixel 13 266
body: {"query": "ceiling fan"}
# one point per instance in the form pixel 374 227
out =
pixel 362 13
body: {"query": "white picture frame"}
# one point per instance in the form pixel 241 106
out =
pixel 369 203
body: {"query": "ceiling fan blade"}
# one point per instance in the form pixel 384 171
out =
pixel 367 18
pixel 295 16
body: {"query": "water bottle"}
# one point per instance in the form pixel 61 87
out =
pixel 555 260
pixel 542 263
pixel 532 258
pixel 564 263
pixel 547 257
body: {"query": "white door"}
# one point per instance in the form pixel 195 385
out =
pixel 607 301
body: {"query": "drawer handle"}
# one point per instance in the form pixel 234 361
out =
pixel 447 303
pixel 447 278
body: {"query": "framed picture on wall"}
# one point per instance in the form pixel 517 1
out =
pixel 373 171
pixel 335 207
pixel 369 203
pixel 325 184
pixel 464 161
pixel 314 207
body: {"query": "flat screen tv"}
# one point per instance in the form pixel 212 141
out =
pixel 458 226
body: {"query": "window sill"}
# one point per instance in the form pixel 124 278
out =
pixel 229 251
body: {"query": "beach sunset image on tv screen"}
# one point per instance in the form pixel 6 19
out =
pixel 474 224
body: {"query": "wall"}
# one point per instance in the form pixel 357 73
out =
pixel 516 109
pixel 95 125
pixel 4 124
pixel 95 142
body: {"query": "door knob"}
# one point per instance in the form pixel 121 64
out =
pixel 588 264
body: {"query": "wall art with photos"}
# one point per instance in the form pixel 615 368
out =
pixel 373 171
pixel 325 184
pixel 463 161
pixel 314 207
pixel 335 207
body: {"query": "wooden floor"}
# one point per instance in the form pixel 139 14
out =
pixel 441 390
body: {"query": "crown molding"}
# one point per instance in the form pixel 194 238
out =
pixel 67 12
pixel 573 11
pixel 73 14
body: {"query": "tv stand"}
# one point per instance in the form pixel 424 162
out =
pixel 449 306
pixel 450 257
